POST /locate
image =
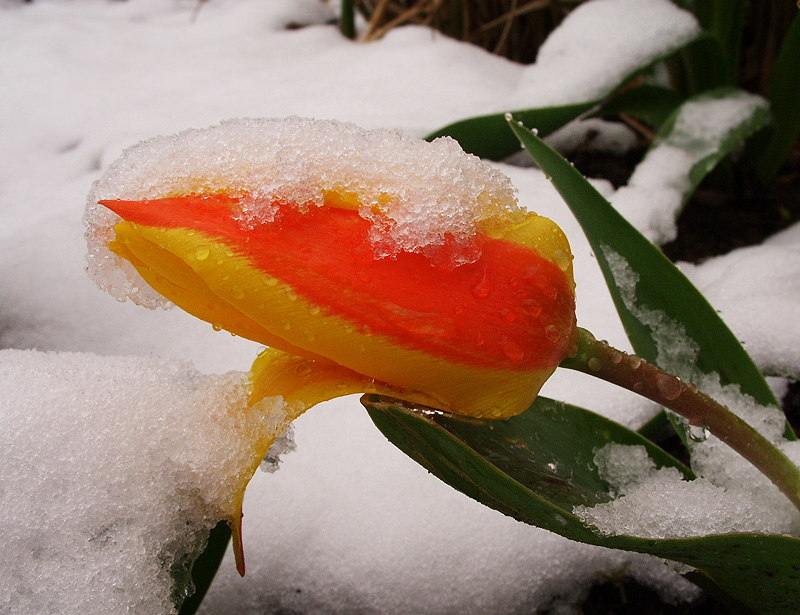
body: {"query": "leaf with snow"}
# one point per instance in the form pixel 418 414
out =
pixel 576 68
pixel 698 135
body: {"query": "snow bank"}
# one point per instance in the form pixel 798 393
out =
pixel 114 470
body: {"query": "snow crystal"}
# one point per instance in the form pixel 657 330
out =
pixel 658 187
pixel 657 503
pixel 114 470
pixel 418 195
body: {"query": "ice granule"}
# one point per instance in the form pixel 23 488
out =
pixel 419 196
pixel 658 503
pixel 114 469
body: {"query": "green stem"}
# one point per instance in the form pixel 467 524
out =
pixel 633 373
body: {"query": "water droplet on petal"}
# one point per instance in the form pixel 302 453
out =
pixel 308 335
pixel 201 253
pixel 303 370
pixel 286 325
pixel 290 294
pixel 508 315
pixel 512 350
pixel 634 362
pixel 270 281
pixel 237 293
pixel 482 289
pixel 551 333
pixel 562 259
pixel 216 327
pixel 508 116
pixel 314 310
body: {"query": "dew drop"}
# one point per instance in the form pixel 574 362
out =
pixel 201 253
pixel 290 294
pixel 512 350
pixel 303 370
pixel 594 364
pixel 349 328
pixel 698 434
pixel 508 116
pixel 286 325
pixel 551 333
pixel 314 310
pixel 634 362
pixel 617 357
pixel 533 311
pixel 482 289
pixel 669 386
pixel 562 259
pixel 270 281
pixel 308 335
pixel 237 293
pixel 508 315
pixel 216 327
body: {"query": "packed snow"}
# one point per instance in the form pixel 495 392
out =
pixel 108 439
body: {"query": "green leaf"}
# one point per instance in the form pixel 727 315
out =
pixel 723 20
pixel 661 287
pixel 536 466
pixel 703 66
pixel 486 135
pixel 650 103
pixel 205 567
pixel 716 141
pixel 769 151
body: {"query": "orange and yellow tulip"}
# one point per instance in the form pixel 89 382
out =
pixel 478 338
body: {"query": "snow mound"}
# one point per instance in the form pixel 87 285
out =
pixel 115 469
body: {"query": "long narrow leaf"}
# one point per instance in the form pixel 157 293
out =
pixel 515 467
pixel 769 152
pixel 486 135
pixel 650 103
pixel 661 287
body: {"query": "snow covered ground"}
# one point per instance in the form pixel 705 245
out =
pixel 348 524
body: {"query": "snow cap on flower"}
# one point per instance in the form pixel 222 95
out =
pixel 366 260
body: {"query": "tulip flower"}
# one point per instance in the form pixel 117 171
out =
pixel 464 308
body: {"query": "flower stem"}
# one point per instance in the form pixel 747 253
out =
pixel 633 373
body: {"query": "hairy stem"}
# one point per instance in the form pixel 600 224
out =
pixel 633 373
